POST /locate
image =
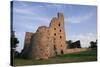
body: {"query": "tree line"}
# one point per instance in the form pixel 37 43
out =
pixel 77 44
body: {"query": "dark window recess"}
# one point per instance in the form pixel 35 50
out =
pixel 59 24
pixel 62 52
pixel 41 49
pixel 60 36
pixel 60 30
pixel 54 28
pixel 55 34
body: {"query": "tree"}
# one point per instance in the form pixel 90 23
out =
pixel 78 44
pixel 93 44
pixel 72 44
pixel 69 43
pixel 17 54
pixel 14 42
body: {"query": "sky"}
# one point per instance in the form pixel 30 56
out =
pixel 80 20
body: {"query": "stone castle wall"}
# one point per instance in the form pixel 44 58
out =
pixel 47 41
pixel 76 50
pixel 27 44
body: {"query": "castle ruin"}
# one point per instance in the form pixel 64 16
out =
pixel 46 41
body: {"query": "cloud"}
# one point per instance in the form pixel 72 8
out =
pixel 80 18
pixel 28 8
pixel 29 22
pixel 84 38
pixel 55 6
pixel 22 11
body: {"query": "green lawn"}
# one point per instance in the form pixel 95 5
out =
pixel 67 58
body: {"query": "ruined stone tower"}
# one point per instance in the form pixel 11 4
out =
pixel 57 34
pixel 47 41
pixel 40 43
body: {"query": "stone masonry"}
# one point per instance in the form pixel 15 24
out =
pixel 46 41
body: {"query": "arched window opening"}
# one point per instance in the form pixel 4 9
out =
pixel 62 52
pixel 60 37
pixel 59 30
pixel 59 24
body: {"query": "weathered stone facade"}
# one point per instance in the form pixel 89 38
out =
pixel 46 41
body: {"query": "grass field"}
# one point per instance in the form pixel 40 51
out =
pixel 66 58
